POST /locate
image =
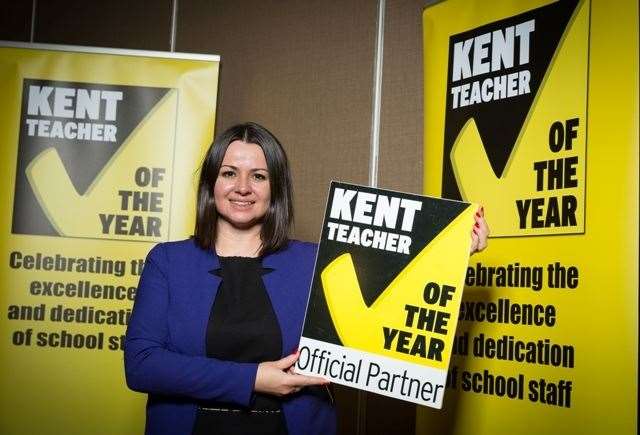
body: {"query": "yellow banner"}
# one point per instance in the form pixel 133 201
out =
pixel 100 150
pixel 531 109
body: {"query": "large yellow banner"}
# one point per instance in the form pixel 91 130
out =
pixel 100 150
pixel 531 108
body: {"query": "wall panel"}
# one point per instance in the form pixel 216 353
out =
pixel 114 23
pixel 400 165
pixel 15 20
pixel 304 70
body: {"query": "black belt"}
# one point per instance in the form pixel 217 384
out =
pixel 252 411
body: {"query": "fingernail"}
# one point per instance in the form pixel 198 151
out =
pixel 477 225
pixel 478 214
pixel 474 232
pixel 482 210
pixel 295 351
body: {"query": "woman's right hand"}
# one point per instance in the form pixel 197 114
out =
pixel 278 378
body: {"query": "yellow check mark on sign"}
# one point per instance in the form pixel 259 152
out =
pixel 561 96
pixel 74 215
pixel 443 261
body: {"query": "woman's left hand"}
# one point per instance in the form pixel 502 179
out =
pixel 479 232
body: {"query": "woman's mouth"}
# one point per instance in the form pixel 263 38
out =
pixel 239 203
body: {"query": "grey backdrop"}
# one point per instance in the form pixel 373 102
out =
pixel 304 69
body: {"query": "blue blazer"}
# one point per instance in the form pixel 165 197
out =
pixel 165 353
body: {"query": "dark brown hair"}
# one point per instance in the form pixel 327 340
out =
pixel 278 220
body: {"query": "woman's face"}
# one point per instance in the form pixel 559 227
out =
pixel 242 193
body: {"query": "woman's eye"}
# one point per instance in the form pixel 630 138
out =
pixel 227 174
pixel 260 177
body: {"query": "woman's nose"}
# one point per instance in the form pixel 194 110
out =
pixel 242 185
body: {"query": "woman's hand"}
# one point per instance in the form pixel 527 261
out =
pixel 279 379
pixel 479 233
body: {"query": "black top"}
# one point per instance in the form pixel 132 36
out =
pixel 242 327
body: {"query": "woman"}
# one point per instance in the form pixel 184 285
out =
pixel 219 367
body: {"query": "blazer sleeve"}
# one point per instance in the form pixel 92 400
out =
pixel 151 367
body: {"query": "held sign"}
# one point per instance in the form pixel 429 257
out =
pixel 386 292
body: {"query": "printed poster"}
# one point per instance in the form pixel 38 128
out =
pixel 386 291
pixel 99 148
pixel 531 109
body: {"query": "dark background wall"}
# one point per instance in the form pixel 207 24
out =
pixel 305 70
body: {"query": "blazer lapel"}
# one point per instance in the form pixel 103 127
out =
pixel 205 289
pixel 275 282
